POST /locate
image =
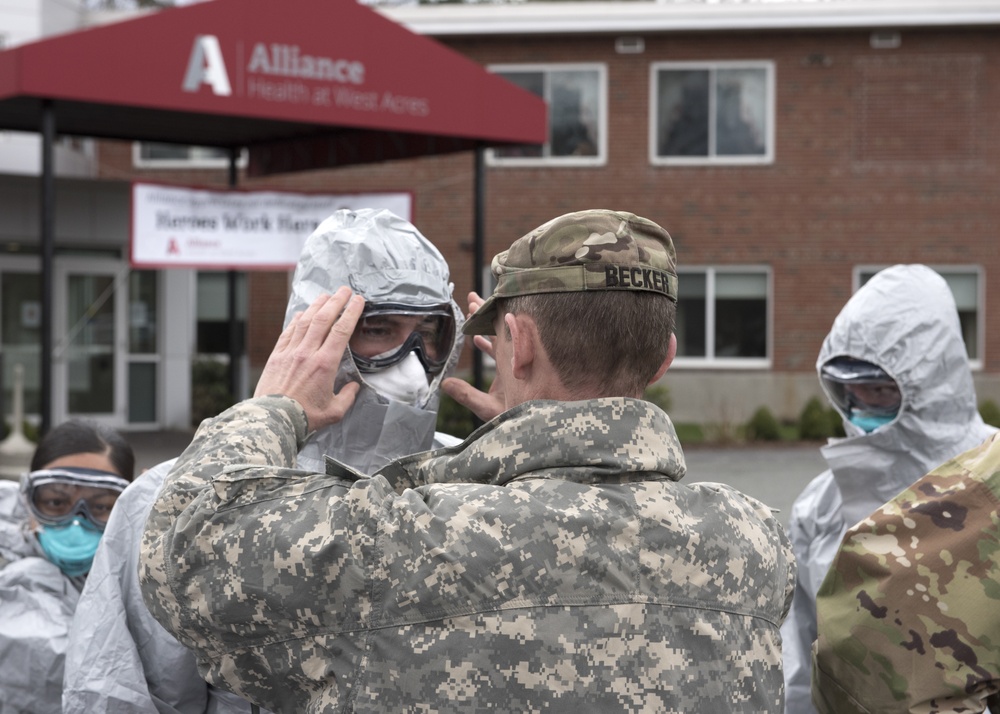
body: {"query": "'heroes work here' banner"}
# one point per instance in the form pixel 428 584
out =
pixel 176 227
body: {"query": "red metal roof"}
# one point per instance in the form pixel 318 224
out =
pixel 232 73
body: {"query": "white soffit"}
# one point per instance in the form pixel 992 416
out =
pixel 687 15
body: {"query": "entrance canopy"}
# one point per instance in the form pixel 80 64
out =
pixel 239 73
pixel 303 83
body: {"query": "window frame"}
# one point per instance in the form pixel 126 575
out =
pixel 710 361
pixel 977 362
pixel 713 160
pixel 601 159
pixel 189 163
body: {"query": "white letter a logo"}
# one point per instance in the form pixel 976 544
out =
pixel 206 67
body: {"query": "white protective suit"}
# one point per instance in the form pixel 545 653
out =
pixel 36 605
pixel 905 321
pixel 120 658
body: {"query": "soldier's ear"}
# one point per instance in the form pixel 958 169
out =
pixel 523 343
pixel 671 353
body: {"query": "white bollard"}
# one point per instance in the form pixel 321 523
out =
pixel 16 450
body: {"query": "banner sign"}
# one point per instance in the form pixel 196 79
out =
pixel 177 227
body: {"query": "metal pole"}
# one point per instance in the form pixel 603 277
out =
pixel 234 333
pixel 478 250
pixel 48 256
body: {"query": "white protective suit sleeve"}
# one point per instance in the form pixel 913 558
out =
pixel 814 529
pixel 120 659
pixel 36 606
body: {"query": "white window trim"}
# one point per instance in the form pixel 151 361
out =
pixel 196 163
pixel 734 363
pixel 602 141
pixel 977 362
pixel 768 158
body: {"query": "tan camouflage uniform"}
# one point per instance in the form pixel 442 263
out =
pixel 909 614
pixel 550 563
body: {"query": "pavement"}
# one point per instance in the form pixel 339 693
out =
pixel 154 447
pixel 773 474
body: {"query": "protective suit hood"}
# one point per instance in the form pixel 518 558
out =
pixel 905 321
pixel 384 259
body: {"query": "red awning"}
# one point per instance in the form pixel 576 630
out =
pixel 352 84
pixel 302 83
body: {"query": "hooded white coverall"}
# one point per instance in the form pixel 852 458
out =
pixel 36 605
pixel 120 659
pixel 905 321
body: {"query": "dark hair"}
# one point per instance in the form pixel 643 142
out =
pixel 79 436
pixel 608 343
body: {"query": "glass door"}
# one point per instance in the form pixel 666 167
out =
pixel 20 332
pixel 89 359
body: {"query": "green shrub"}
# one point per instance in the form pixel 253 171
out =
pixel 688 433
pixel 658 394
pixel 762 426
pixel 990 412
pixel 455 419
pixel 29 430
pixel 836 422
pixel 210 393
pixel 814 421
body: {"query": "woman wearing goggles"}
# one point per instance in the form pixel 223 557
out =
pixel 58 496
pixel 61 508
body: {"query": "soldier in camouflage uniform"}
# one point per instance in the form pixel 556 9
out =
pixel 908 614
pixel 550 563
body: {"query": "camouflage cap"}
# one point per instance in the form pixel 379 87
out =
pixel 587 250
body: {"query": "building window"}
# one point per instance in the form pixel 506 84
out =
pixel 577 99
pixel 143 345
pixel 723 317
pixel 149 154
pixel 213 312
pixel 718 113
pixel 965 283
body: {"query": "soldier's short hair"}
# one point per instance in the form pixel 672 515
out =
pixel 609 343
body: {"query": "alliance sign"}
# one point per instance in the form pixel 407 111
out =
pixel 177 227
pixel 244 74
pixel 283 73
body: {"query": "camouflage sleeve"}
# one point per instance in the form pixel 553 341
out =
pixel 213 570
pixel 909 613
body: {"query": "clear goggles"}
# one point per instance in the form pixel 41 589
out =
pixel 57 496
pixel 857 386
pixel 387 333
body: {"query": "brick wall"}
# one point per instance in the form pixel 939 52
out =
pixel 881 156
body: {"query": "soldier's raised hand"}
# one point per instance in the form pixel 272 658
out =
pixel 303 364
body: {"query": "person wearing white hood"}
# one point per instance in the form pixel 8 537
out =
pixel 895 366
pixel 408 340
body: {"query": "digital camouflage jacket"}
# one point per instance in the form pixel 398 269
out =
pixel 549 563
pixel 909 614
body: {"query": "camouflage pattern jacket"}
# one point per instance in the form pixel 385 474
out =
pixel 909 614
pixel 548 563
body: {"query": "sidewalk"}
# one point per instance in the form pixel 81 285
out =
pixel 153 447
pixel 773 475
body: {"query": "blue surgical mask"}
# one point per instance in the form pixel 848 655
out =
pixel 870 423
pixel 71 546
